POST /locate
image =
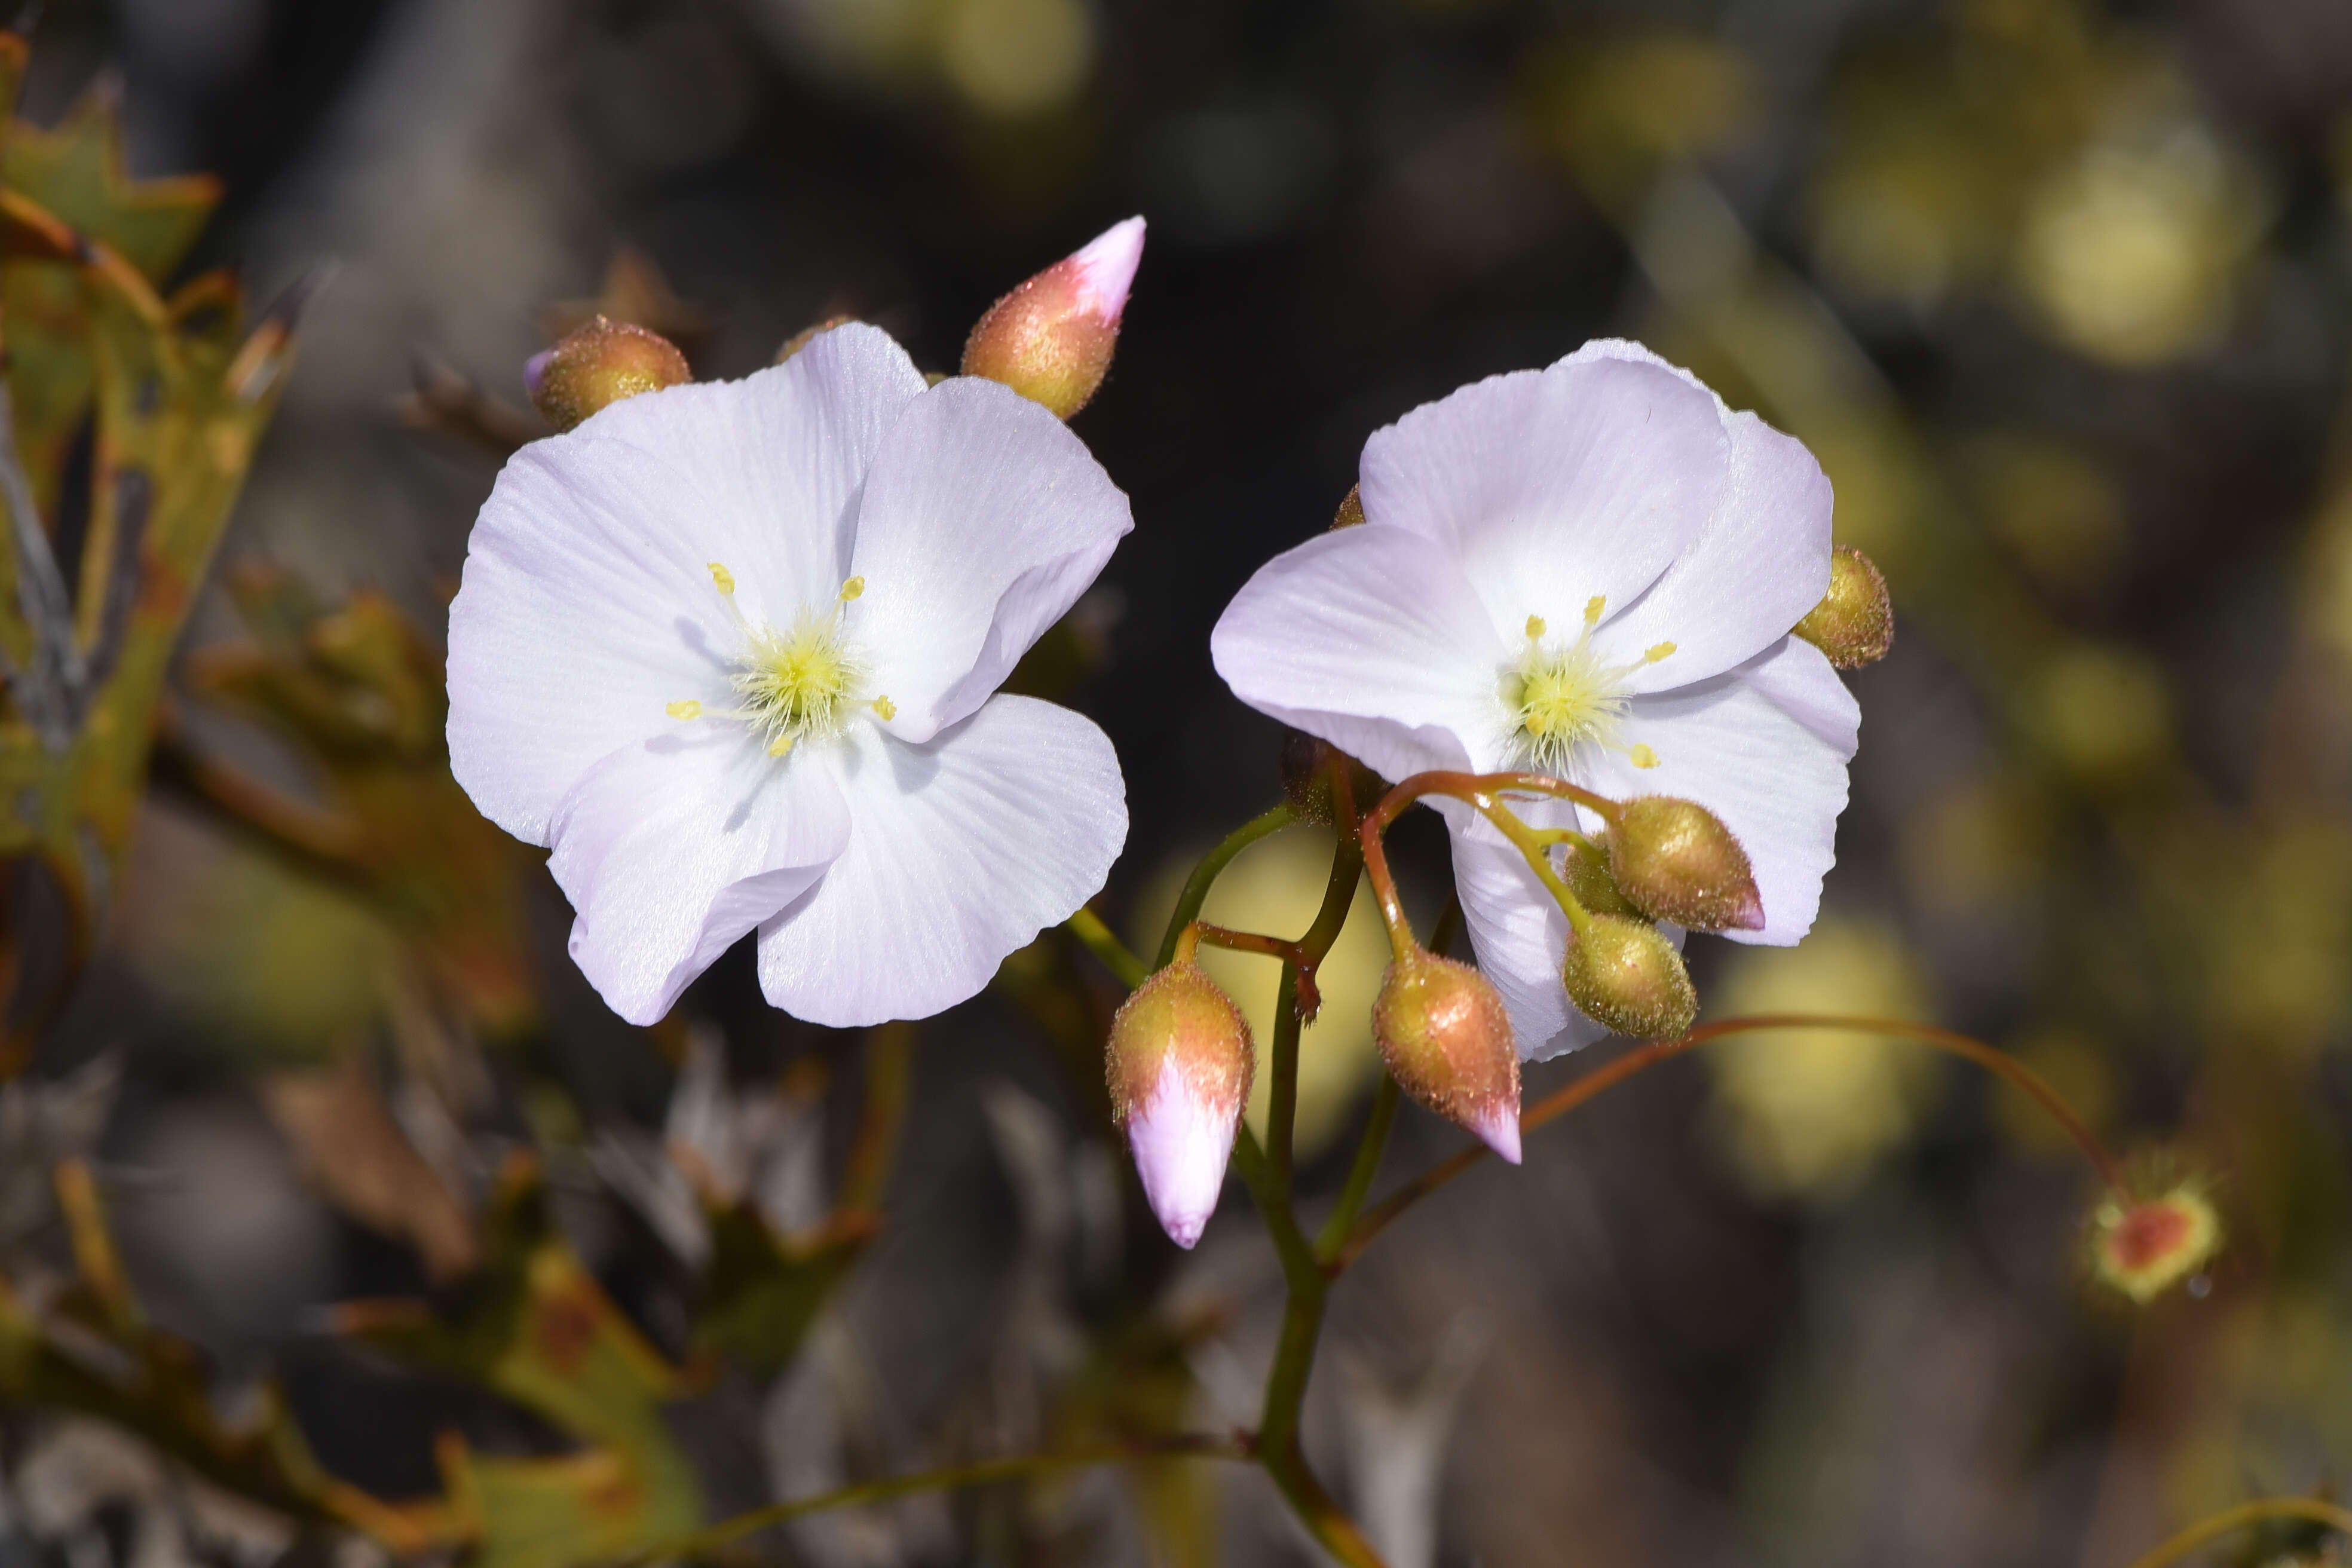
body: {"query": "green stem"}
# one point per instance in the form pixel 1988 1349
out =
pixel 1088 928
pixel 2246 1513
pixel 1196 887
pixel 1368 1149
pixel 707 1539
pixel 1322 1517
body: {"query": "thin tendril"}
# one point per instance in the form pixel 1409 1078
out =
pixel 2245 1513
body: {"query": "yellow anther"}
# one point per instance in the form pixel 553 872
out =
pixel 885 708
pixel 1658 653
pixel 723 577
pixel 1535 628
pixel 1592 608
pixel 780 745
pixel 689 709
pixel 1537 722
pixel 1642 757
pixel 851 589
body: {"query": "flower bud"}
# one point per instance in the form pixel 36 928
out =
pixel 1179 1069
pixel 2144 1247
pixel 1624 975
pixel 598 365
pixel 1051 339
pixel 1447 1040
pixel 1305 771
pixel 1587 876
pixel 1855 622
pixel 1677 861
pixel 1351 509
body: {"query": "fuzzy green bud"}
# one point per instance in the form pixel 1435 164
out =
pixel 1351 509
pixel 1178 1067
pixel 1626 976
pixel 598 365
pixel 1587 876
pixel 1855 622
pixel 1447 1040
pixel 1677 861
pixel 1051 339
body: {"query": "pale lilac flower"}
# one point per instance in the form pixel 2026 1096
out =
pixel 1589 571
pixel 731 651
pixel 1181 1139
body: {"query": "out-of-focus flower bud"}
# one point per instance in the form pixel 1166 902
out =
pixel 1623 975
pixel 598 365
pixel 1051 339
pixel 1306 778
pixel 1178 1067
pixel 1351 509
pixel 1855 622
pixel 806 335
pixel 1677 861
pixel 1587 876
pixel 1447 1041
pixel 2144 1247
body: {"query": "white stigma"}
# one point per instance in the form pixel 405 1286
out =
pixel 798 684
pixel 1560 698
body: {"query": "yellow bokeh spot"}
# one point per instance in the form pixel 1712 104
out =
pixel 1810 1111
pixel 1016 57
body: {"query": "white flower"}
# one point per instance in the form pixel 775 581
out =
pixel 1589 571
pixel 731 651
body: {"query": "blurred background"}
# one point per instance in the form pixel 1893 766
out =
pixel 2061 295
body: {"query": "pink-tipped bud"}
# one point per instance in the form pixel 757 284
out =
pixel 1855 622
pixel 598 365
pixel 1306 767
pixel 1677 861
pixel 1178 1067
pixel 2144 1247
pixel 1051 339
pixel 1624 975
pixel 1447 1040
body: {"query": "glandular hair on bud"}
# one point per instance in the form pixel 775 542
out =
pixel 1677 861
pixel 1855 622
pixel 1305 771
pixel 1051 339
pixel 599 364
pixel 1177 1068
pixel 1446 1036
pixel 1627 977
pixel 1586 872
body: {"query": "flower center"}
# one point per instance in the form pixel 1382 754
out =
pixel 795 685
pixel 1560 698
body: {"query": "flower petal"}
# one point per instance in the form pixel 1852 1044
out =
pixel 1552 486
pixel 672 849
pixel 984 520
pixel 587 605
pixel 1765 748
pixel 1758 565
pixel 960 851
pixel 1371 638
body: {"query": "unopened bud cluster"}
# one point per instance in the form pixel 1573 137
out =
pixel 1178 1068
pixel 598 365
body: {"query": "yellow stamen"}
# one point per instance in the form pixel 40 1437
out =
pixel 852 589
pixel 723 577
pixel 884 706
pixel 1658 653
pixel 1592 608
pixel 689 709
pixel 781 745
pixel 1535 628
pixel 1642 757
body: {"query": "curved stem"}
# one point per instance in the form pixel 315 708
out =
pixel 1196 887
pixel 1098 939
pixel 1309 997
pixel 1482 793
pixel 2245 1513
pixel 709 1539
pixel 1562 1100
pixel 1332 1527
